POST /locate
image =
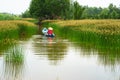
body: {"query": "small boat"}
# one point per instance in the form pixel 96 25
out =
pixel 50 35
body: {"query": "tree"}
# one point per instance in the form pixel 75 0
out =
pixel 26 14
pixel 86 14
pixel 78 10
pixel 114 15
pixel 91 13
pixel 110 7
pixel 104 13
pixel 70 9
pixel 114 12
pixel 49 8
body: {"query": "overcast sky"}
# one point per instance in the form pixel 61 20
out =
pixel 14 6
pixel 19 6
pixel 99 3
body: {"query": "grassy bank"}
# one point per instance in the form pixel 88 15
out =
pixel 12 30
pixel 98 33
pixel 102 36
pixel 16 29
pixel 106 27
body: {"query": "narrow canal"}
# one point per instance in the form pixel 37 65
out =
pixel 59 59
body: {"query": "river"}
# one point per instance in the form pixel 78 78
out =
pixel 59 59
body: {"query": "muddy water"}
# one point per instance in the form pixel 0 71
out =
pixel 59 59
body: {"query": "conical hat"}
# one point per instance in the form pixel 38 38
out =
pixel 50 28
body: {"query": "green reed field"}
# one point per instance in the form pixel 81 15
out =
pixel 102 34
pixel 16 29
pixel 13 30
pixel 107 27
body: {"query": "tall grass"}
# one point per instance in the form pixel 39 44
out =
pixel 102 36
pixel 13 63
pixel 30 20
pixel 100 33
pixel 14 55
pixel 11 31
pixel 109 27
pixel 16 29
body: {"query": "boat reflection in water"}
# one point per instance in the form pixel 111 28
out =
pixel 53 49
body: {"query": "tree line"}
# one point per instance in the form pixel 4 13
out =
pixel 8 16
pixel 69 9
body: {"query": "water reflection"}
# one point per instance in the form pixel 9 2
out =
pixel 55 50
pixel 12 71
pixel 77 61
pixel 13 64
pixel 105 56
pixel 101 42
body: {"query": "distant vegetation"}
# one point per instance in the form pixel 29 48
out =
pixel 49 9
pixel 111 12
pixel 69 9
pixel 64 9
pixel 7 16
pixel 26 14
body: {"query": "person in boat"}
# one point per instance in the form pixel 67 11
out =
pixel 45 31
pixel 50 32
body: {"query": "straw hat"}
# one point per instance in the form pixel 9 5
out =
pixel 50 28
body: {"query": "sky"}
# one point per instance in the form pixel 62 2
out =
pixel 19 6
pixel 14 6
pixel 99 3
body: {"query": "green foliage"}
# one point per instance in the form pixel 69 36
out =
pixel 104 14
pixel 91 13
pixel 78 10
pixel 26 14
pixel 26 31
pixel 7 16
pixel 104 42
pixel 69 9
pixel 16 29
pixel 14 55
pixel 112 12
pixel 49 9
pixel 8 34
pixel 114 15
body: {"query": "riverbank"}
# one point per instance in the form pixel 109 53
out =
pixel 106 27
pixel 12 30
pixel 16 29
pixel 99 34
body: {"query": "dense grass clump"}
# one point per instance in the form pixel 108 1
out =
pixel 11 31
pixel 14 55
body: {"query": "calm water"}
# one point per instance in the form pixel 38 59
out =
pixel 60 59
